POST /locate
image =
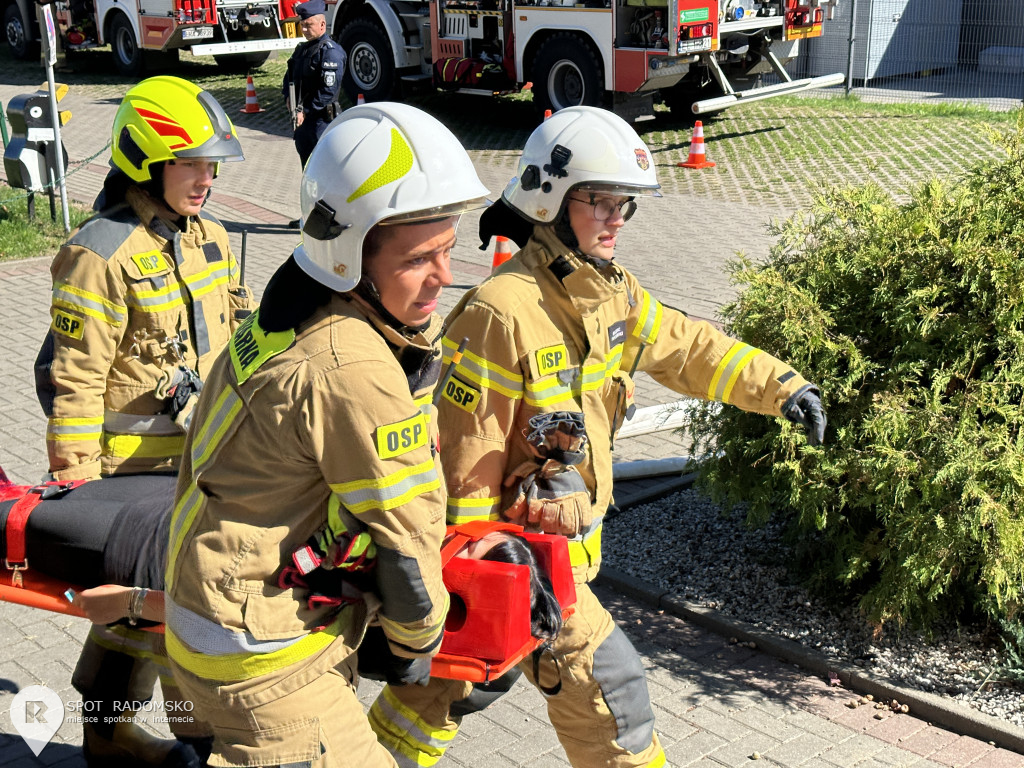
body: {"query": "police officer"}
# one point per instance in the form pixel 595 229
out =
pixel 313 456
pixel 145 294
pixel 315 70
pixel 552 335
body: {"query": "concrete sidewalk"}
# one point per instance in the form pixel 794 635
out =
pixel 717 702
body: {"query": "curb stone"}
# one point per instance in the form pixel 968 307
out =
pixel 926 706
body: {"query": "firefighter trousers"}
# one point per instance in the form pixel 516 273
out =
pixel 602 713
pixel 306 715
pixel 118 669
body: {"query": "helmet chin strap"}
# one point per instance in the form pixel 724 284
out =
pixel 369 292
pixel 564 231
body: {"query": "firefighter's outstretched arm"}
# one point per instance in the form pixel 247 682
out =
pixel 697 360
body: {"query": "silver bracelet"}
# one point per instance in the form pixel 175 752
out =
pixel 136 600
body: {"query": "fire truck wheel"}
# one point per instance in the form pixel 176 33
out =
pixel 128 58
pixel 19 39
pixel 371 62
pixel 566 73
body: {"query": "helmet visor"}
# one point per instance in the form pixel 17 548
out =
pixel 617 189
pixel 223 145
pixel 437 212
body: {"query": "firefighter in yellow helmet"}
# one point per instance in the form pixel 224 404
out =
pixel 531 410
pixel 310 500
pixel 145 294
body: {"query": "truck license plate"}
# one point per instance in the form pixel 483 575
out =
pixel 196 33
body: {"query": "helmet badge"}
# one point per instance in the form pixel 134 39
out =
pixel 641 159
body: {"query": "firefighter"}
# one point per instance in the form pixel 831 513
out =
pixel 312 81
pixel 552 335
pixel 145 294
pixel 311 477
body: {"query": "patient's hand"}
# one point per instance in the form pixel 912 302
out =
pixel 109 603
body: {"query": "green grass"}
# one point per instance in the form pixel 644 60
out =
pixel 21 238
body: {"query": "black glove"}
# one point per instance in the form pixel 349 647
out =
pixel 180 387
pixel 377 662
pixel 805 408
pixel 401 671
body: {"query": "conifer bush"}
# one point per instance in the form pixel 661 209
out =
pixel 909 315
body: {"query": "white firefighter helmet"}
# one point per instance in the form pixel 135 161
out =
pixel 579 147
pixel 378 163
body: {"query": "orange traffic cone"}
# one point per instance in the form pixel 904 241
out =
pixel 251 104
pixel 697 158
pixel 502 251
pixel 360 100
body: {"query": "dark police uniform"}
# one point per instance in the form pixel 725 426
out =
pixel 316 68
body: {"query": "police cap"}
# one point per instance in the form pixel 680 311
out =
pixel 311 8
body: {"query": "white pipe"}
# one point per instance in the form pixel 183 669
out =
pixel 767 92
pixel 636 470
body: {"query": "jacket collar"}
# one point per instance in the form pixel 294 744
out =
pixel 160 219
pixel 555 264
pixel 424 338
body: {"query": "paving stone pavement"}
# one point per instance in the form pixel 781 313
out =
pixel 716 703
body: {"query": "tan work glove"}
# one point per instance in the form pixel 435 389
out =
pixel 552 496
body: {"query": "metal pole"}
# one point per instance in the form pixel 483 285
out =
pixel 50 193
pixel 853 38
pixel 3 125
pixel 241 260
pixel 58 151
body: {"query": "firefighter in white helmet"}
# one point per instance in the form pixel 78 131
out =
pixel 311 475
pixel 528 419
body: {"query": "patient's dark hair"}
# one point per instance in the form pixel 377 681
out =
pixel 545 612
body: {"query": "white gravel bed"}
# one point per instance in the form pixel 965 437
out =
pixel 684 544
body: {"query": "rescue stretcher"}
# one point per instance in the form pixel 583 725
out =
pixel 487 630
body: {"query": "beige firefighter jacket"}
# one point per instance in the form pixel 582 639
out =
pixel 549 332
pixel 304 437
pixel 133 297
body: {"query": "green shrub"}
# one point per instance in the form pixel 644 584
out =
pixel 910 316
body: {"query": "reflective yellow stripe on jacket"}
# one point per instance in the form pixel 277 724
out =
pixel 389 491
pixel 468 510
pixel 479 371
pixel 729 370
pixel 232 667
pixel 199 284
pixel 88 303
pixel 553 392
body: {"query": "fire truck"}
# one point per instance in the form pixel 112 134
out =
pixel 696 55
pixel 147 34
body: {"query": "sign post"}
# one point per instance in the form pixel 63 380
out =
pixel 50 53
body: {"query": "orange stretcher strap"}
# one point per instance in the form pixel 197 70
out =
pixel 17 521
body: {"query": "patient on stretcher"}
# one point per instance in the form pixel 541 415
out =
pixel 111 537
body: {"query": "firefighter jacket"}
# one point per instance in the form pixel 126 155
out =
pixel 551 332
pixel 318 434
pixel 133 297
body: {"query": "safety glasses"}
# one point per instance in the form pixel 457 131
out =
pixel 604 208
